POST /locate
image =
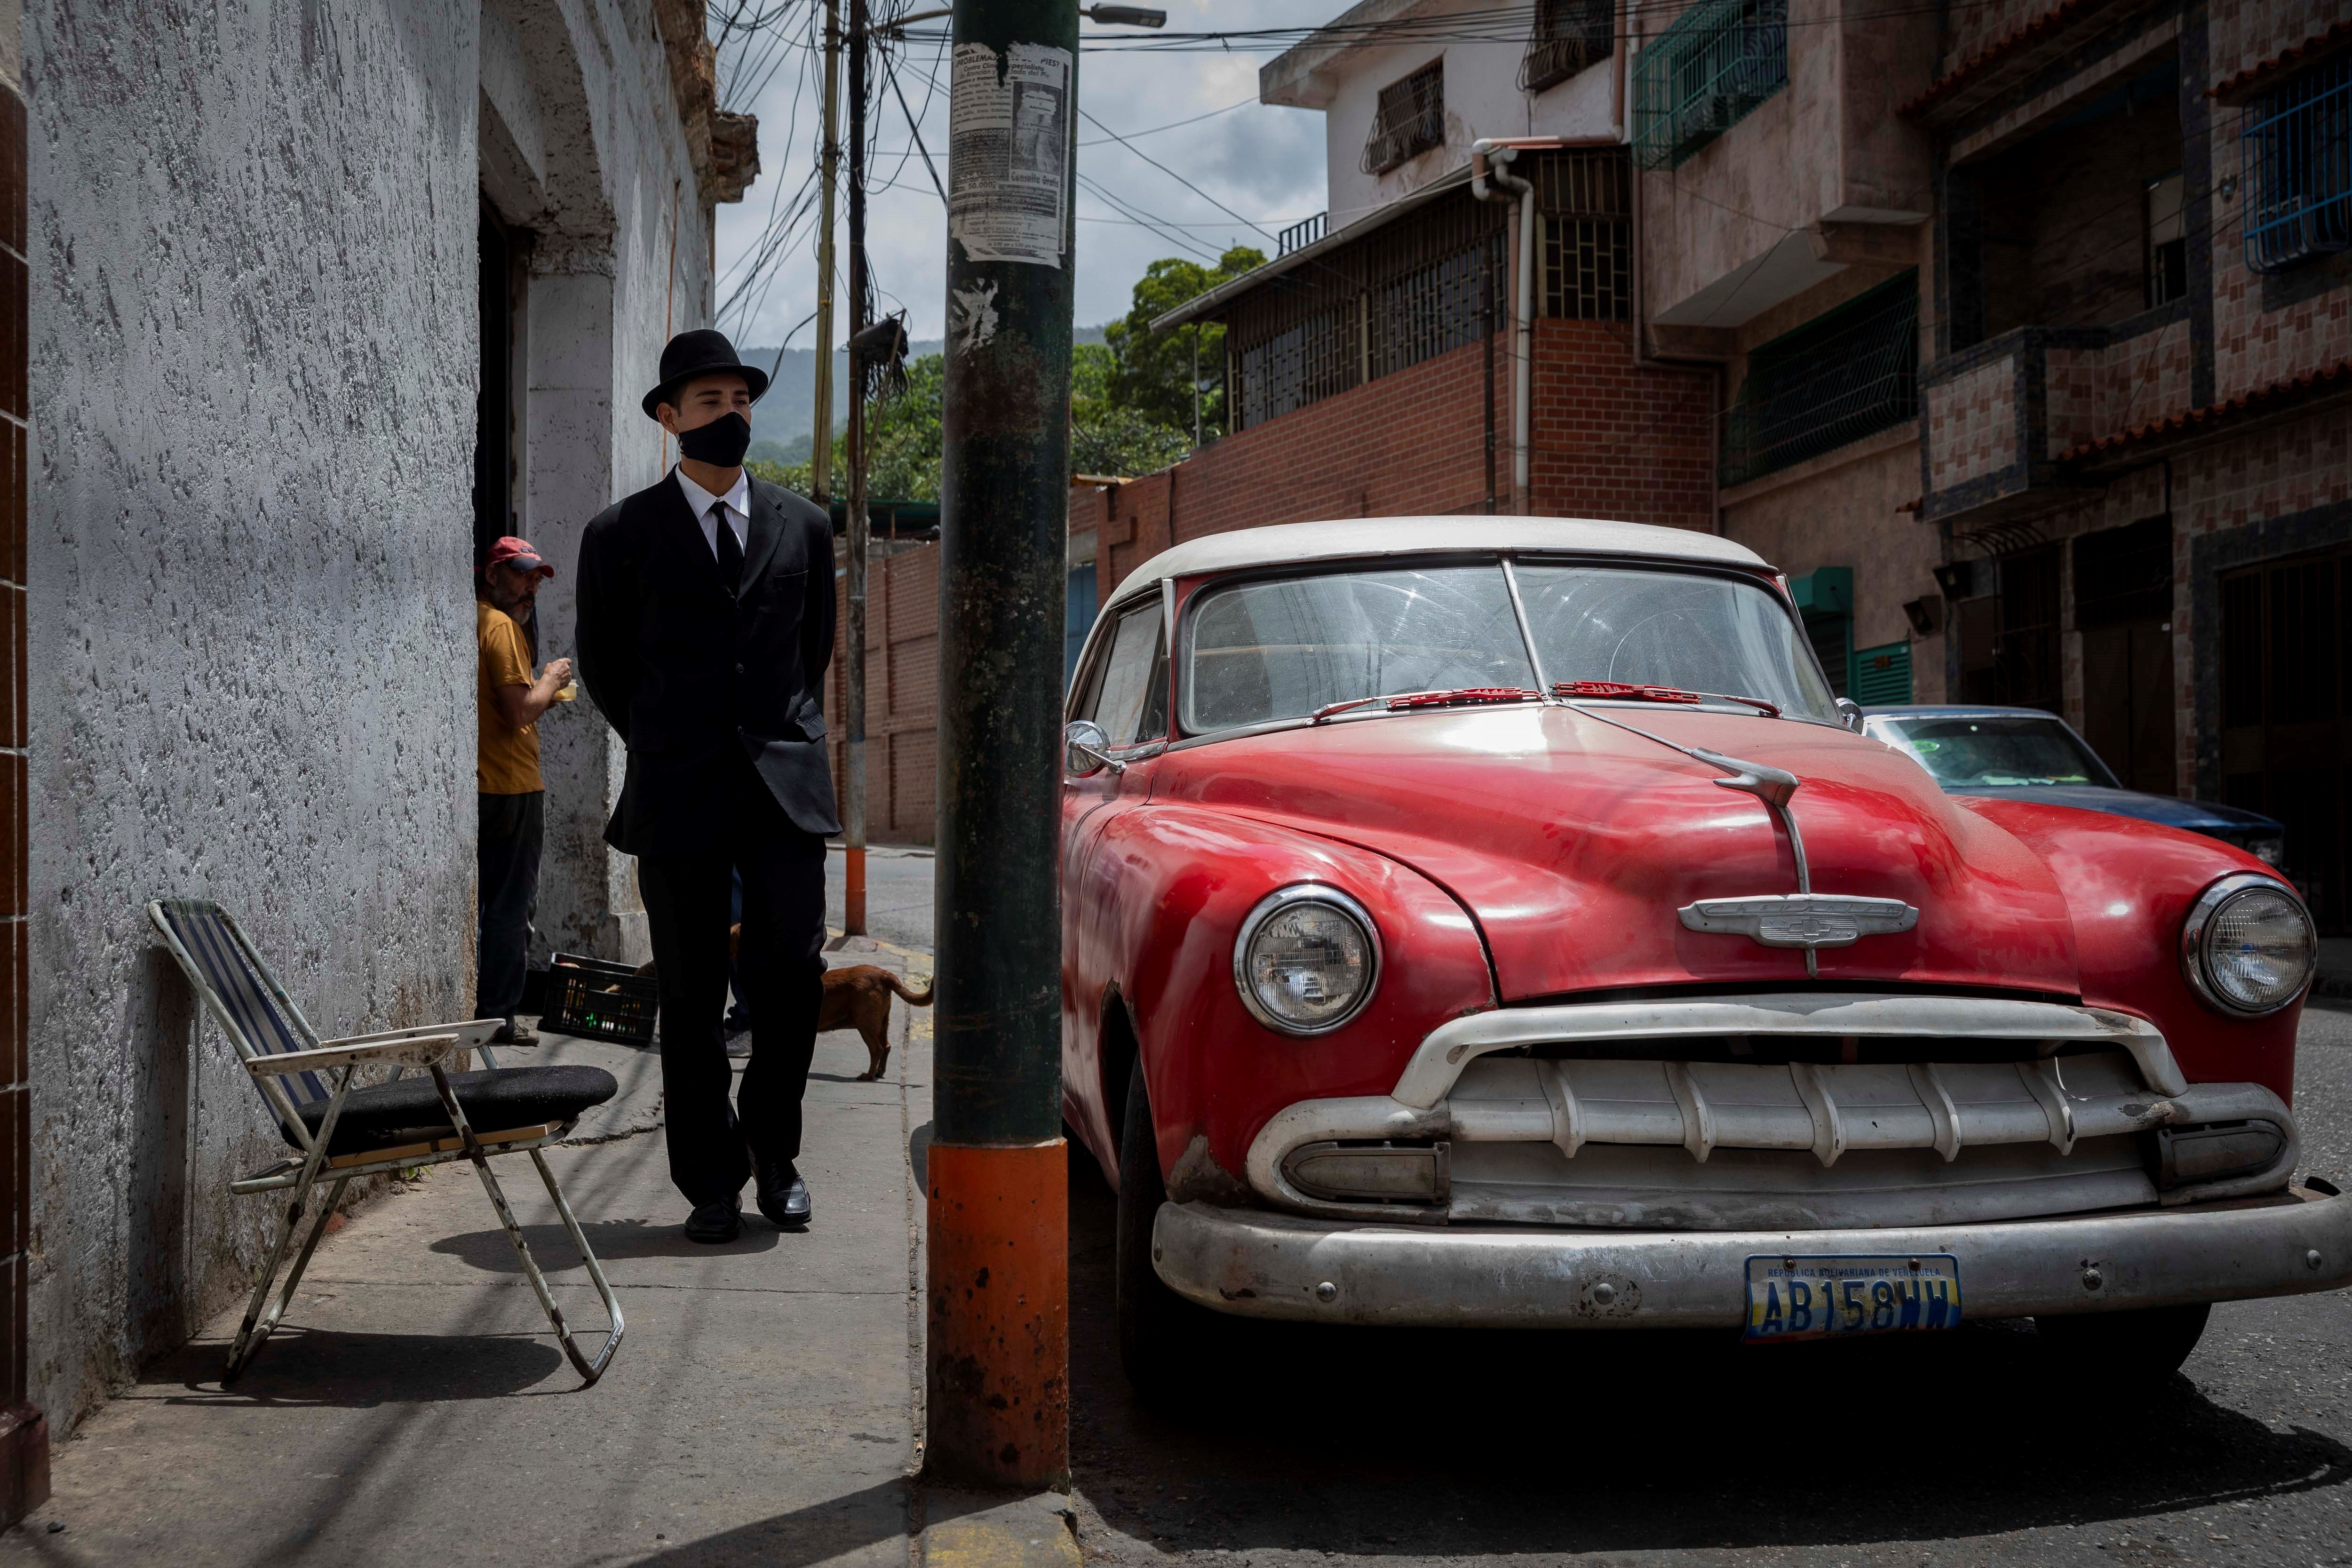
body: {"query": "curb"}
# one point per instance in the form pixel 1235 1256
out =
pixel 979 1530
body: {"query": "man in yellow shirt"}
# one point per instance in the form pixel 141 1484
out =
pixel 513 799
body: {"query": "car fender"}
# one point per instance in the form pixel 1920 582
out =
pixel 2129 885
pixel 1169 890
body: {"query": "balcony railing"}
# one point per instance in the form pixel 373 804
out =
pixel 1409 121
pixel 1302 234
pixel 1705 74
pixel 1848 374
pixel 2297 166
pixel 1569 35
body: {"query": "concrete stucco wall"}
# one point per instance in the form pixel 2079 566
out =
pixel 251 669
pixel 1482 98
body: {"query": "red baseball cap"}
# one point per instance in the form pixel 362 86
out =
pixel 518 553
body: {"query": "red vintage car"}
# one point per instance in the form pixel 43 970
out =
pixel 1497 922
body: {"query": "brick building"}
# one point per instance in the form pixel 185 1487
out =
pixel 2036 321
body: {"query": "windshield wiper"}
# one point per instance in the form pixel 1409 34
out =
pixel 1618 692
pixel 1404 701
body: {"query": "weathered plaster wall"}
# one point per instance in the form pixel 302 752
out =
pixel 251 666
pixel 251 673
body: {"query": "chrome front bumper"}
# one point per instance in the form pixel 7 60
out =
pixel 1253 1263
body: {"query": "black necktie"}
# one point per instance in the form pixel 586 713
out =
pixel 730 550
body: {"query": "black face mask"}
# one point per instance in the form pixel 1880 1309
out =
pixel 721 443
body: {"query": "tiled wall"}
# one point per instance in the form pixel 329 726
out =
pixel 1972 424
pixel 24 1436
pixel 1973 29
pixel 2092 393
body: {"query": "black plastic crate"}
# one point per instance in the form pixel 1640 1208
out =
pixel 597 1000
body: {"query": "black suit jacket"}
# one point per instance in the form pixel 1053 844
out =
pixel 686 670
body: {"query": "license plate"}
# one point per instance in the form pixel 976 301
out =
pixel 1804 1296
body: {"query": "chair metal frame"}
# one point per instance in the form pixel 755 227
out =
pixel 300 1059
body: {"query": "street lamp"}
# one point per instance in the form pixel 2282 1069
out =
pixel 1125 15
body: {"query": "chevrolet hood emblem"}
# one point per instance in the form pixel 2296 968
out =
pixel 1808 920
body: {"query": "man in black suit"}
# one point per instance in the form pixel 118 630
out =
pixel 705 626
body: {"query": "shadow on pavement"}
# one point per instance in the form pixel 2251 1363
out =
pixel 614 1240
pixel 303 1366
pixel 832 1528
pixel 1415 1442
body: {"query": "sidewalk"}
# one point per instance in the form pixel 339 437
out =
pixel 762 1409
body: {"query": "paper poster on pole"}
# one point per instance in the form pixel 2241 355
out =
pixel 1009 152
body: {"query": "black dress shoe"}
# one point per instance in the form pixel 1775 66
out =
pixel 783 1196
pixel 715 1222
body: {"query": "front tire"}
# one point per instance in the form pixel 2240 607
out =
pixel 1160 1334
pixel 2148 1341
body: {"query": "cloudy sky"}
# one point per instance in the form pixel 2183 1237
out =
pixel 1265 164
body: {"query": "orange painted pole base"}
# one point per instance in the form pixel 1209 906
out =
pixel 852 890
pixel 999 1316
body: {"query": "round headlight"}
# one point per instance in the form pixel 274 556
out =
pixel 2249 946
pixel 1307 959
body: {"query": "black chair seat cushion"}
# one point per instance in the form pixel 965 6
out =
pixel 408 1110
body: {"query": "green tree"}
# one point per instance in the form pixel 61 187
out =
pixel 1107 437
pixel 903 444
pixel 1152 372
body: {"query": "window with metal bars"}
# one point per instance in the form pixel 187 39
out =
pixel 1407 292
pixel 1410 119
pixel 2296 162
pixel 1705 74
pixel 1849 373
pixel 1588 253
pixel 1569 35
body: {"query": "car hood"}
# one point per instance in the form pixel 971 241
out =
pixel 2191 815
pixel 1573 843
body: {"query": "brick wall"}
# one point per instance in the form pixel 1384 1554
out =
pixel 902 686
pixel 24 1435
pixel 1609 439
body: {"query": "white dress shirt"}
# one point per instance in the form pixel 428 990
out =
pixel 738 508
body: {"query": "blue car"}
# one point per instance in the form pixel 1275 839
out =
pixel 2026 753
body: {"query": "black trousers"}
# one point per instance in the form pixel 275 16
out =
pixel 781 973
pixel 512 828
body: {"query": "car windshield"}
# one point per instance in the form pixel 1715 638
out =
pixel 1278 649
pixel 1683 629
pixel 1995 752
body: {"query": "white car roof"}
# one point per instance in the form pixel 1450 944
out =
pixel 1287 543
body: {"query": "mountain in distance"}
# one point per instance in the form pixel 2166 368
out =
pixel 785 420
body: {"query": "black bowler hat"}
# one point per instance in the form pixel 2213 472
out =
pixel 700 352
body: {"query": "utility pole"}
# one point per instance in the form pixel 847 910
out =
pixel 853 718
pixel 821 449
pixel 998 1287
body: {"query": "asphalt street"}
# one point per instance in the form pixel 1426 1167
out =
pixel 898 893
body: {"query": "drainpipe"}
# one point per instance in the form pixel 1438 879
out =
pixel 1487 154
pixel 1487 159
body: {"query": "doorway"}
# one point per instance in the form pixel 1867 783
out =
pixel 2122 607
pixel 494 404
pixel 2286 713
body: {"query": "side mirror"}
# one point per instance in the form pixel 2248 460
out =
pixel 1849 714
pixel 1086 750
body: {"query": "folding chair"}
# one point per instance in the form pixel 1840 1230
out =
pixel 343 1133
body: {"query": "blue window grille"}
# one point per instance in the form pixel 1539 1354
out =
pixel 1705 74
pixel 2296 149
pixel 1849 373
pixel 1078 607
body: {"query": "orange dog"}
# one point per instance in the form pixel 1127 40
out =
pixel 857 997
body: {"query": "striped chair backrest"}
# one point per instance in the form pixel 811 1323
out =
pixel 238 990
